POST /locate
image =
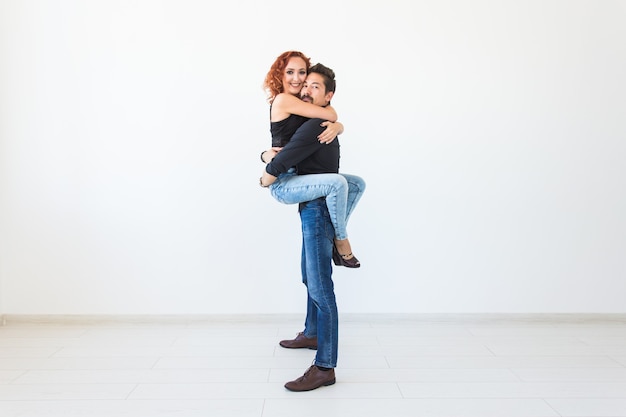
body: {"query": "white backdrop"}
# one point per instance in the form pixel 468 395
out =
pixel 491 135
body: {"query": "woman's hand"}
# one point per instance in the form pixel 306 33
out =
pixel 268 155
pixel 266 180
pixel 330 133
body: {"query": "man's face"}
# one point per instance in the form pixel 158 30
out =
pixel 314 90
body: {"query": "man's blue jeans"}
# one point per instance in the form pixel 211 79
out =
pixel 342 192
pixel 322 319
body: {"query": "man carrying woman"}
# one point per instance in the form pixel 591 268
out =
pixel 307 155
pixel 288 112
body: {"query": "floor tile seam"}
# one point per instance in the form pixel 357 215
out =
pixel 131 392
pixel 615 359
pixel 399 388
pixel 216 355
pixel 616 363
pixel 526 397
pixel 444 400
pixel 197 384
pixel 155 362
pixel 186 320
pixel 21 374
pixel 317 397
pixel 70 384
pixel 279 397
pixel 386 357
pixel 111 398
pixel 479 397
pixel 586 399
pixel 490 350
pixel 538 396
pixel 528 355
pixel 339 380
pixel 545 401
pixel 520 378
pixel 100 401
pixel 56 352
pixel 120 382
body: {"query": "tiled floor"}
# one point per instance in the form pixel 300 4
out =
pixel 389 366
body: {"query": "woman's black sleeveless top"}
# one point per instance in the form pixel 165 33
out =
pixel 283 130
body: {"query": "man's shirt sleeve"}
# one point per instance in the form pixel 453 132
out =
pixel 303 144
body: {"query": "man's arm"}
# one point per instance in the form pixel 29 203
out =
pixel 303 144
pixel 330 133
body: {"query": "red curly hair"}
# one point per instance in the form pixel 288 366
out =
pixel 273 83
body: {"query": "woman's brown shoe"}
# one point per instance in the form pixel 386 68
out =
pixel 349 260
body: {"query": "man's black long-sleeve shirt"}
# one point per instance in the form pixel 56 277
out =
pixel 306 153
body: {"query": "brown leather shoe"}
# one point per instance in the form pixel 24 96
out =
pixel 313 378
pixel 301 341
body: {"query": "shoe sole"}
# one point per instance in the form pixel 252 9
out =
pixel 302 347
pixel 325 384
pixel 298 347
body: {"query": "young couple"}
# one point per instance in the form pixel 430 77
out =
pixel 303 167
pixel 298 92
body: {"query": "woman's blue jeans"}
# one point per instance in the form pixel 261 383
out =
pixel 317 247
pixel 342 192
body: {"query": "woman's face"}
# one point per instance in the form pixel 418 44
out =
pixel 294 76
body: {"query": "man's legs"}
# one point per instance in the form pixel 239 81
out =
pixel 308 337
pixel 318 235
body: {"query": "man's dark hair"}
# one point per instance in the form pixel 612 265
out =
pixel 328 74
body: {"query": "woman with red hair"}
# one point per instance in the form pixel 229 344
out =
pixel 283 84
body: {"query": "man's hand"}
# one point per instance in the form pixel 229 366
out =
pixel 330 133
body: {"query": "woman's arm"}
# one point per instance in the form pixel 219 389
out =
pixel 330 133
pixel 286 104
pixel 268 155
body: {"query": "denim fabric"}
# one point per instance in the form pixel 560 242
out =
pixel 342 192
pixel 356 188
pixel 317 248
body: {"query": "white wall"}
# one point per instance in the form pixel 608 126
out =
pixel 491 134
